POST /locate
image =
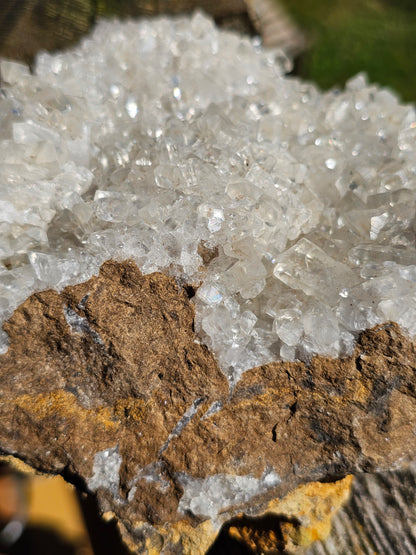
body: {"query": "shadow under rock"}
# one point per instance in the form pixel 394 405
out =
pixel 104 536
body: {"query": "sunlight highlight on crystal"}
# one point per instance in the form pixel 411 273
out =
pixel 188 150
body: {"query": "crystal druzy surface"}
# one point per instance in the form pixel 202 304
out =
pixel 188 150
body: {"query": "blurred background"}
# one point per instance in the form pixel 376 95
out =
pixel 329 40
pixel 349 36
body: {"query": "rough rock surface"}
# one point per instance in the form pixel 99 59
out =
pixel 107 384
pixel 289 525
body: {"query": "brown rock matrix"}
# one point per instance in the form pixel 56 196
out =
pixel 113 365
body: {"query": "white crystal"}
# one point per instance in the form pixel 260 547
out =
pixel 206 497
pixel 148 140
pixel 307 267
pixel 131 107
pixel 13 72
pixel 105 472
pixel 215 220
pixel 209 294
pixel 182 423
pixel 288 326
pixel 331 163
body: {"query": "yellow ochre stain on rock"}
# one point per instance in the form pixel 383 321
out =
pixel 63 404
pixel 313 504
pixel 130 409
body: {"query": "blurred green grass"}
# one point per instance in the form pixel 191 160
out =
pixel 348 36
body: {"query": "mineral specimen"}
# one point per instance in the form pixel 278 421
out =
pixel 283 216
pixel 128 402
pixel 155 139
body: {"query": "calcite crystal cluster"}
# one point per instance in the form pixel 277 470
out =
pixel 183 227
pixel 188 150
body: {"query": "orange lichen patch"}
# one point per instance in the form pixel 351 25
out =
pixel 313 505
pixel 289 524
pixel 190 537
pixel 63 405
pixel 361 393
pixel 257 540
pixel 17 465
pixel 130 409
pixel 294 522
pixel 186 538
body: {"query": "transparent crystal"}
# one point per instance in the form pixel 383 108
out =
pixel 148 142
pixel 207 496
pixel 288 326
pixel 210 294
pixel 307 267
pixel 13 72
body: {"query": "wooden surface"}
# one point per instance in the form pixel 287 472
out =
pixel 380 517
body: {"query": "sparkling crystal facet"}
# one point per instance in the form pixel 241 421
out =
pixel 148 141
